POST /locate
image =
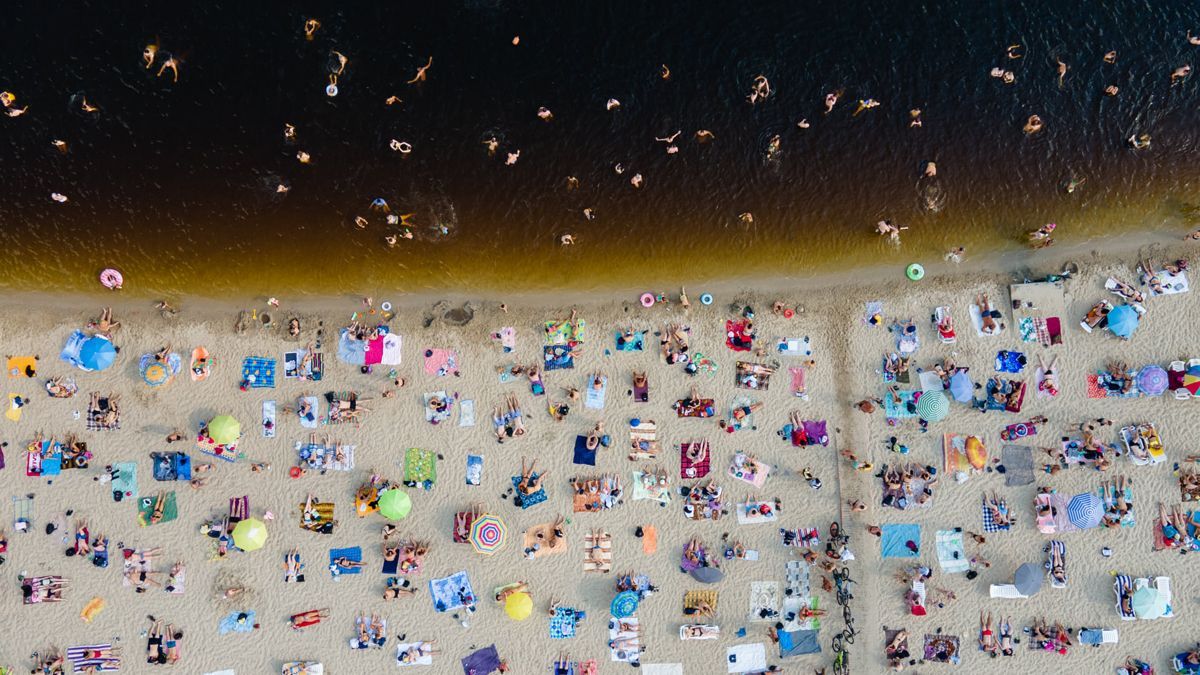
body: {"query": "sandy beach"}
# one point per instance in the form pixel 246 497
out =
pixel 846 355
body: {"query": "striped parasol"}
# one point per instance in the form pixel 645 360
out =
pixel 933 406
pixel 488 533
pixel 1191 380
pixel 1085 510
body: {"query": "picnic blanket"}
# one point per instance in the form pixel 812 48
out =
pixel 1171 283
pixel 146 509
pixel 647 486
pixel 625 640
pixel 764 601
pixel 539 540
pixel 965 454
pixel 749 470
pixel 582 454
pixel 989 520
pixel 753 375
pixel 606 496
pixel 564 332
pixel 557 357
pixel 594 398
pixel 1017 461
pixel 441 362
pixel 124 482
pixel 268 419
pixel 905 408
pixel 794 346
pixel 420 468
pixel 1009 361
pixel 689 469
pixel 755 511
pixel 321 457
pixel 634 342
pixel 737 337
pixel 95 416
pixel 439 415
pixel 351 554
pixel 951 556
pixel 894 540
pixel 466 413
pixel 44 459
pixel 313 370
pixel 258 372
pixel 507 337
pixel 796 593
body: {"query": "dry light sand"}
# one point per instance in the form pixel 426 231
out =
pixel 847 355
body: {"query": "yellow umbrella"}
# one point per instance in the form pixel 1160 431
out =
pixel 250 534
pixel 518 606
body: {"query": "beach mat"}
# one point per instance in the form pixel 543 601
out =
pixel 895 537
pixel 1017 461
pixel 22 366
pixel 474 472
pixel 146 509
pixel 582 455
pixel 420 468
pixel 441 362
pixel 258 372
pixel 124 481
pixel 353 553
pixel 951 556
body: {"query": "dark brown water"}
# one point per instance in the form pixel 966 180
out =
pixel 175 183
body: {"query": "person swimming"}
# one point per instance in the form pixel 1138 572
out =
pixel 915 117
pixel 760 90
pixel 1032 125
pixel 421 72
pixel 148 54
pixel 1111 57
pixel 172 65
pixel 310 28
pixel 1062 71
pixel 544 114
pixel 865 104
pixel 492 145
pixel 612 104
pixel 664 72
pixel 1180 73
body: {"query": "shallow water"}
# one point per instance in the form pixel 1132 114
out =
pixel 174 183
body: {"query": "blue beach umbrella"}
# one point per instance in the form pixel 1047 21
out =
pixel 1122 321
pixel 625 604
pixel 1085 510
pixel 96 353
pixel 961 387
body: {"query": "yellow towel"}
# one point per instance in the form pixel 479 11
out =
pixel 13 413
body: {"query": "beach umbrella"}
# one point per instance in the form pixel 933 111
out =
pixel 1148 603
pixel 394 504
pixel 96 353
pixel 625 604
pixel 224 430
pixel 707 575
pixel 1191 380
pixel 1028 579
pixel 1122 321
pixel 961 387
pixel 250 534
pixel 155 373
pixel 488 533
pixel 518 606
pixel 1085 510
pixel 933 406
pixel 1152 380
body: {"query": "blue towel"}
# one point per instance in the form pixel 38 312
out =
pixel 798 642
pixel 259 372
pixel 582 454
pixel 900 410
pixel 1010 362
pixel 633 344
pixel 526 501
pixel 557 357
pixel 230 623
pixel 892 544
pixel 354 553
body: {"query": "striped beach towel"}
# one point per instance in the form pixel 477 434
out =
pixel 85 656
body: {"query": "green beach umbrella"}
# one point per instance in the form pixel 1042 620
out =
pixel 224 429
pixel 933 406
pixel 394 504
pixel 1148 603
pixel 250 534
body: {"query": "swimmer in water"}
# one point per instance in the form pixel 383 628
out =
pixel 589 213
pixel 669 139
pixel 60 145
pixel 1193 39
pixel 915 115
pixel 1193 236
pixel 831 100
pixel 1111 57
pixel 402 147
pixel 773 147
pixel 391 240
pixel 1032 125
pixel 342 61
pixel 1013 51
pixel 612 104
pixel 148 54
pixel 572 183
pixel 1180 73
pixel 172 65
pixel 88 107
pixel 1062 71
pixel 803 124
pixel 360 222
pixel 420 76
pixel 1139 142
pixel 492 145
pixel 7 98
pixel 289 132
pixel 544 114
pixel 310 28
pixel 567 239
pixel 636 181
pixel 746 218
pixel 930 169
pixel 303 157
pixel 1007 77
pixel 705 136
pixel 1111 90
pixel 664 72
pixel 512 158
pixel 1073 184
pixel 865 104
pixel 16 112
pixel 392 100
pixel 281 188
pixel 380 204
pixel 760 90
pixel 889 229
pixel 955 255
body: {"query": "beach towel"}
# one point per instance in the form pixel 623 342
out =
pixel 1060 549
pixel 124 482
pixel 631 343
pixel 22 366
pixel 753 376
pixel 312 370
pixel 466 413
pixel 754 472
pixel 904 409
pixel 662 669
pixel 689 469
pixel 643 439
pixel 268 419
pixel 989 520
pixel 1017 461
pixel 755 512
pixel 15 404
pixel 405 648
pixel 977 322
pixel 606 495
pixel 647 486
pixel 700 408
pixel 323 523
pixel 594 397
pixel 474 473
pixel 873 313
pixel 1010 362
pixel 951 556
pixel 597 549
pixel 564 332
pixel 797 577
pixel 352 554
pixel 80 658
pixel 704 364
pixel 322 458
pixel 799 376
pixel 625 640
pixel 441 362
pixel 582 454
pixel 963 454
pixel 749 658
pixel 507 337
pixel 641 392
pixel 95 417
pixel 312 420
pixel 43 459
pixel 539 541
pixel 303 668
pixel 764 601
pixel 563 623
pixel 440 414
pixel 557 357
pixel 146 509
pixel 258 372
pixel 737 337
pixel 526 501
pixel 452 592
pixel 790 346
pixel 649 540
pixel 237 622
pixel 895 538
pixel 1171 283
pixel 420 468
pixel 941 648
pixel 888 636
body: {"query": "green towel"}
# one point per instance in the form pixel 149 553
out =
pixel 420 468
pixel 146 509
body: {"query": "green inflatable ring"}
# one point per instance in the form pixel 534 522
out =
pixel 915 272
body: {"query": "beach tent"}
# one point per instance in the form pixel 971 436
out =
pixel 88 353
pixel 250 534
pixel 224 430
pixel 394 504
pixel 1122 321
pixel 384 349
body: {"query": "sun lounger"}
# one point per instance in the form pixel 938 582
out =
pixel 1163 586
pixel 1059 549
pixel 1143 444
pixel 1097 636
pixel 1123 586
pixel 699 631
pixel 946 335
pixel 1005 591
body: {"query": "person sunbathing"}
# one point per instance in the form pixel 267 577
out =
pixel 60 387
pixel 1049 381
pixel 596 437
pixel 697 452
pixel 396 587
pixel 896 651
pixel 987 638
pixel 1128 292
pixel 105 325
pixel 988 315
pixel 309 618
pixel 999 511
pixel 530 482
